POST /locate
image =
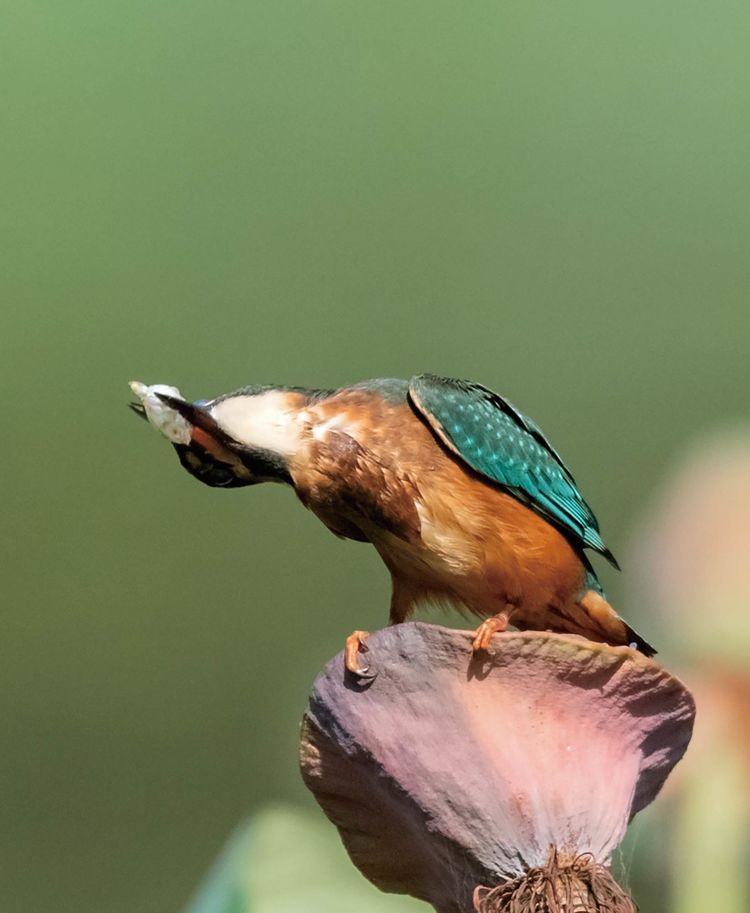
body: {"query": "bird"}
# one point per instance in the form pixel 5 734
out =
pixel 461 494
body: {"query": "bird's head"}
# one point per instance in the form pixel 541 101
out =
pixel 229 442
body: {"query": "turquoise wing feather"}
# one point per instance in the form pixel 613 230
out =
pixel 496 440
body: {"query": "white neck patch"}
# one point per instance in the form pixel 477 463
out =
pixel 266 420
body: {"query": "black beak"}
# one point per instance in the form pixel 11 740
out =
pixel 200 419
pixel 138 408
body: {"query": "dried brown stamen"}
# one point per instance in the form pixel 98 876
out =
pixel 578 885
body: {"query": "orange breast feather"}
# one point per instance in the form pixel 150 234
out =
pixel 443 531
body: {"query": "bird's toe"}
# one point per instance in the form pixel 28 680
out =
pixel 484 633
pixel 356 645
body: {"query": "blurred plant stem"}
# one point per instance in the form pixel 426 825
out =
pixel 711 834
pixel 287 860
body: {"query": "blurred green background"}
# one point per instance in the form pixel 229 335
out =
pixel 549 198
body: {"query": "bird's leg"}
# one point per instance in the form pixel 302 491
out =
pixel 356 644
pixel 494 625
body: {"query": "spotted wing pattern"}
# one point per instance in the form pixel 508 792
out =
pixel 491 436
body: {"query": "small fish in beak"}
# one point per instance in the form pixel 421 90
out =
pixel 161 415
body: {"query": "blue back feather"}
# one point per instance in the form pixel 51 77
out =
pixel 496 440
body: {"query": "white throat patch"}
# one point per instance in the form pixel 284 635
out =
pixel 266 420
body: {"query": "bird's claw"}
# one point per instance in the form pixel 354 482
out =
pixel 484 633
pixel 355 646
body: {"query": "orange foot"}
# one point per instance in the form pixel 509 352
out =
pixel 355 644
pixel 483 634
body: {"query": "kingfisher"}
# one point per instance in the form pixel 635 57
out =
pixel 463 496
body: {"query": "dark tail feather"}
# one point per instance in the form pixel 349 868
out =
pixel 635 640
pixel 611 558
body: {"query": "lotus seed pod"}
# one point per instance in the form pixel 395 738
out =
pixel 500 784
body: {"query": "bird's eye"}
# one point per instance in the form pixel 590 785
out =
pixel 206 468
pixel 218 475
